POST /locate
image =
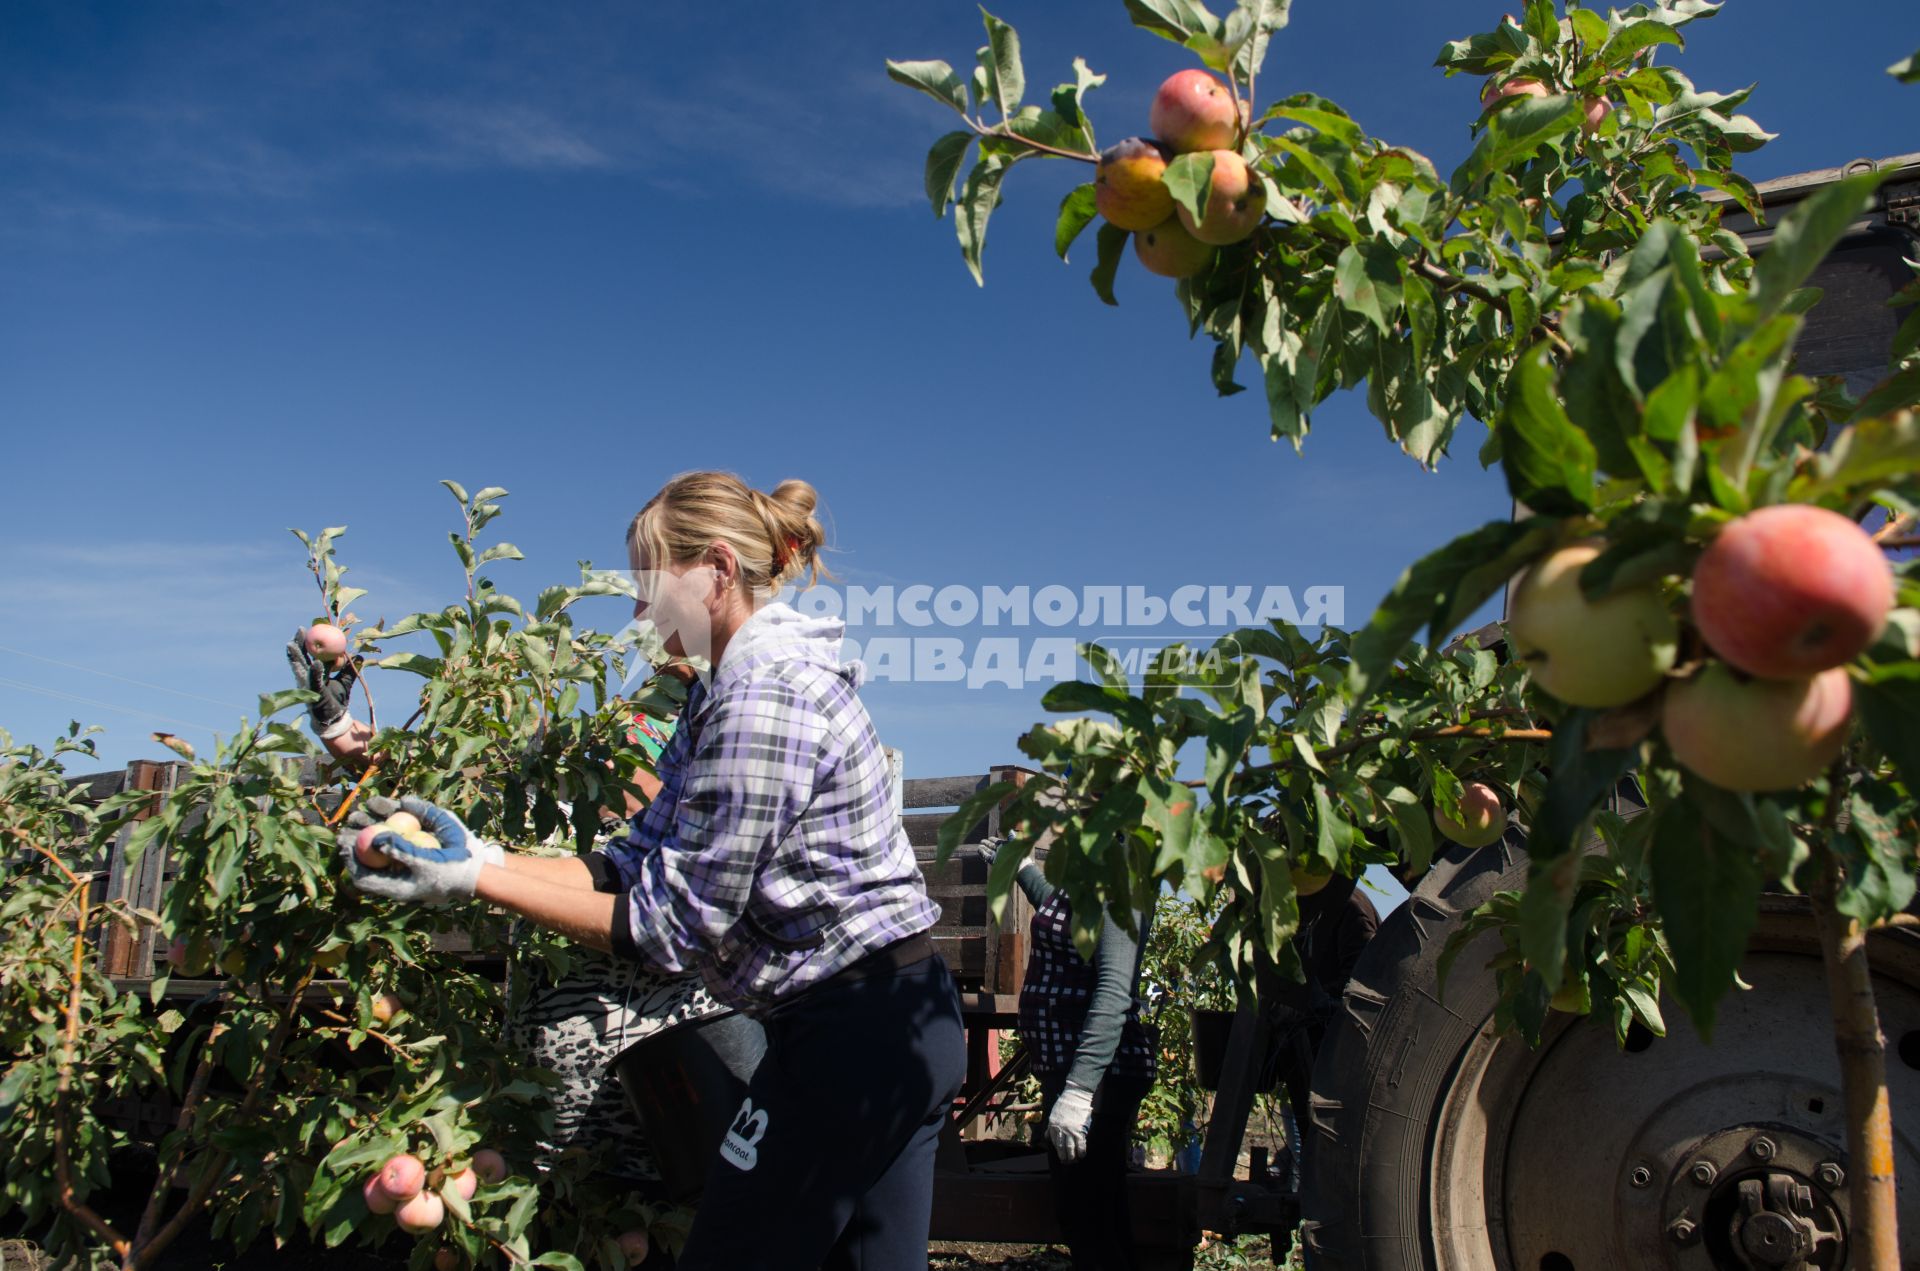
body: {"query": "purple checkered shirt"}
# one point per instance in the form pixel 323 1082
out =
pixel 772 857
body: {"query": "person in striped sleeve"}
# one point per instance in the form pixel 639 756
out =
pixel 773 862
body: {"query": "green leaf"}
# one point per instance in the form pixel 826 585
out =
pixel 1267 16
pixel 1803 239
pixel 458 491
pixel 1543 917
pixel 1111 245
pixel 1440 590
pixel 934 78
pixel 1589 28
pixel 1907 71
pixel 1637 37
pixel 1580 779
pixel 1189 178
pixel 1516 132
pixel 1889 705
pixel 1366 279
pixel 1176 20
pixel 1866 454
pixel 977 201
pixel 1706 888
pixel 1009 77
pixel 1549 462
pixel 943 165
pixel 1077 211
pixel 1069 100
pixel 499 551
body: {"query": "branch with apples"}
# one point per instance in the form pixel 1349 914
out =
pixel 1696 608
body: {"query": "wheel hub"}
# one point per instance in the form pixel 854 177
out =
pixel 1756 1197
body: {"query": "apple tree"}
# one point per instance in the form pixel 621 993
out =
pixel 1571 284
pixel 324 1032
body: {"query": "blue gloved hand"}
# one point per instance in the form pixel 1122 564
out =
pixel 447 870
pixel 1069 1122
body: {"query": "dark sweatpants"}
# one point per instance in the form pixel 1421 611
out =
pixel 1090 1195
pixel 829 1164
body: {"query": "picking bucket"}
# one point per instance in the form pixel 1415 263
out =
pixel 685 1084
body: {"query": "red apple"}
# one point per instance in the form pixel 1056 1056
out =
pixel 1236 201
pixel 190 957
pixel 466 1182
pixel 1193 111
pixel 378 1202
pixel 1589 653
pixel 420 1214
pixel 1128 185
pixel 1499 90
pixel 366 853
pixel 1790 590
pixel 1598 108
pixel 403 1176
pixel 1484 817
pixel 1168 250
pixel 1754 735
pixel 326 642
pixel 446 1260
pixel 489 1165
pixel 634 1244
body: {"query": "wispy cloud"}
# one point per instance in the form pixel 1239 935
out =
pixel 265 122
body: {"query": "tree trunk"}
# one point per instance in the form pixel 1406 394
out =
pixel 1874 1243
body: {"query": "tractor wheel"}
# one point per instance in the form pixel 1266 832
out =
pixel 1437 1146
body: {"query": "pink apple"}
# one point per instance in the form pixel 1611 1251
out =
pixel 378 1202
pixel 1194 111
pixel 366 853
pixel 1484 817
pixel 466 1182
pixel 1499 90
pixel 326 642
pixel 1168 250
pixel 1598 108
pixel 1790 590
pixel 422 1213
pixel 403 1176
pixel 634 1244
pixel 1755 735
pixel 1236 200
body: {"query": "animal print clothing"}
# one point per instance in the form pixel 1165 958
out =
pixel 576 1026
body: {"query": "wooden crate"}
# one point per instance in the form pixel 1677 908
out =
pixel 985 956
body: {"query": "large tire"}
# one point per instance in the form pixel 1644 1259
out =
pixel 1434 1146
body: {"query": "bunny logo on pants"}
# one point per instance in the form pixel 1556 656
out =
pixel 741 1146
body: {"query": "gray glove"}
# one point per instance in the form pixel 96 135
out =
pixel 434 876
pixel 987 849
pixel 328 711
pixel 1069 1123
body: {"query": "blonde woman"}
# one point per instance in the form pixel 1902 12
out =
pixel 772 861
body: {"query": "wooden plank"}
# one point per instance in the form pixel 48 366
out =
pixel 124 952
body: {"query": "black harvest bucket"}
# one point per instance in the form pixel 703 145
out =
pixel 685 1083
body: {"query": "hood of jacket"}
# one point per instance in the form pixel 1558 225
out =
pixel 777 632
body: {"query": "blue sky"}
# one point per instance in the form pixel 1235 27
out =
pixel 271 265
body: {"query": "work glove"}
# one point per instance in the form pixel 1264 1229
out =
pixel 1069 1122
pixel 328 711
pixel 448 871
pixel 986 850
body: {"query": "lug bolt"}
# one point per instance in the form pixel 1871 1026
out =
pixel 1641 1176
pixel 1830 1176
pixel 1762 1148
pixel 1681 1230
pixel 1703 1173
